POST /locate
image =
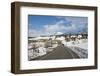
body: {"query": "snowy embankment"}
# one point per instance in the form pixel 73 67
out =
pixel 79 47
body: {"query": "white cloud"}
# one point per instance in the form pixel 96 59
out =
pixel 33 33
pixel 47 29
pixel 58 27
pixel 62 26
pixel 77 25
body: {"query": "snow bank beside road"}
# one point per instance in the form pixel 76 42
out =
pixel 80 47
pixel 79 43
pixel 82 53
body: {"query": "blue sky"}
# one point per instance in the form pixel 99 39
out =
pixel 48 25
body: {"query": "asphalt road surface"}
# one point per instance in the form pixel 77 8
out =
pixel 59 52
